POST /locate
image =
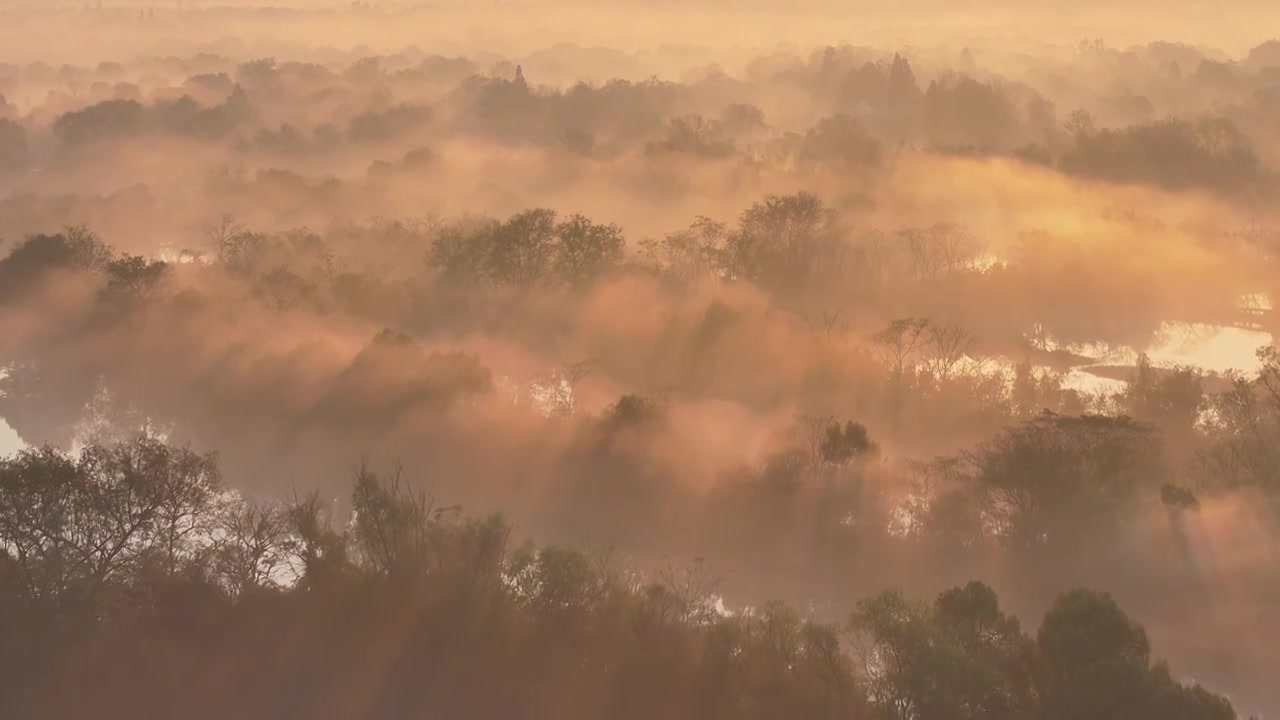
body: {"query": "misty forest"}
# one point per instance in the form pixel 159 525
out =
pixel 636 359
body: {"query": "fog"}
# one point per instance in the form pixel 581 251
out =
pixel 823 300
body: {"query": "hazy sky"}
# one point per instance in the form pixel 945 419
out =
pixel 8 439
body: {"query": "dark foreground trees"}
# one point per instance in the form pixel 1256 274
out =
pixel 133 585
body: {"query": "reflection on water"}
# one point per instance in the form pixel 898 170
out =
pixel 1212 348
pixel 1081 380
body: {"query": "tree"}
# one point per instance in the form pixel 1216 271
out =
pixel 828 323
pixel 1057 480
pixel 947 346
pixel 74 249
pixel 320 552
pixel 937 250
pixel 77 526
pixel 238 249
pixel 521 250
pixel 1093 659
pixel 391 526
pixel 133 280
pixel 900 341
pixel 282 289
pixel 959 110
pixel 893 642
pixel 989 662
pixel 840 445
pixel 1171 399
pixel 741 119
pixel 558 584
pixel 528 249
pixel 694 135
pixel 1242 427
pixel 696 253
pixel 389 124
pixel 555 393
pixel 786 242
pixel 842 142
pixel 131 560
pixel 252 547
pixel 460 252
pixel 960 658
pixel 1080 124
pixel 1174 153
pixel 104 121
pixel 585 250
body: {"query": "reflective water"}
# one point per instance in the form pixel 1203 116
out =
pixel 1213 348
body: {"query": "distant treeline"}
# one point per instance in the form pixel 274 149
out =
pixel 860 107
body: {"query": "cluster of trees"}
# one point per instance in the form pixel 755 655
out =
pixel 1090 496
pixel 794 246
pixel 881 102
pixel 961 657
pixel 527 249
pixel 1173 153
pixel 858 105
pixel 782 239
pixel 122 119
pixel 790 245
pixel 131 574
pixel 1242 452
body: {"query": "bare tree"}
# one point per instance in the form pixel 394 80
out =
pixel 900 341
pixel 947 346
pixel 282 289
pixel 76 525
pixel 220 232
pixel 556 392
pixel 252 546
pixel 827 323
pixel 937 250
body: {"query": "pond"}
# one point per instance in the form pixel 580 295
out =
pixel 1212 348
